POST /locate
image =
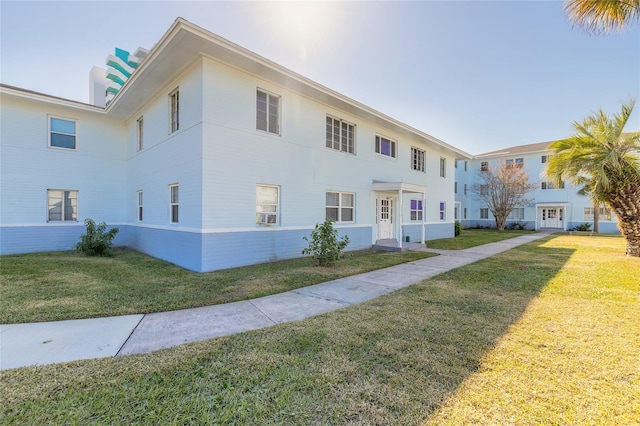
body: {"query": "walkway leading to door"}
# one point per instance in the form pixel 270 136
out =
pixel 62 341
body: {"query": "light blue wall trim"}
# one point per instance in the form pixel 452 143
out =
pixel 181 248
pixel 229 250
pixel 433 231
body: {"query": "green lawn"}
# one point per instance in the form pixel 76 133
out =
pixel 474 237
pixel 67 285
pixel 546 333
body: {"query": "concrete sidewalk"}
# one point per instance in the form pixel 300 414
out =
pixel 61 341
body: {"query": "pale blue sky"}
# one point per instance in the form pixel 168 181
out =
pixel 480 75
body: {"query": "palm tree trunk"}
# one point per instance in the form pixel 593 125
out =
pixel 631 232
pixel 627 208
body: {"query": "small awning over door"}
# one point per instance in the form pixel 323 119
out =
pixel 401 188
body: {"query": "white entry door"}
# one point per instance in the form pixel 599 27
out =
pixel 385 218
pixel 551 218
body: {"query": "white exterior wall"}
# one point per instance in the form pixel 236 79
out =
pixel 237 156
pixel 96 169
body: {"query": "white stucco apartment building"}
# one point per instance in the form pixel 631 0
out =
pixel 550 207
pixel 210 156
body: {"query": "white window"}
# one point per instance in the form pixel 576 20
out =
pixel 455 213
pixel 465 165
pixel 517 162
pixel 174 203
pixel 416 210
pixel 443 167
pixel 484 189
pixel 340 135
pixel 268 112
pixel 464 213
pixel 465 189
pixel 605 214
pixel 340 206
pixel 455 187
pixel 174 110
pixel 140 131
pixel 385 146
pixel 550 185
pixel 484 166
pixel 516 214
pixel 484 213
pixel 455 164
pixel 267 204
pixel 62 133
pixel 418 159
pixel 442 211
pixel 62 205
pixel 545 158
pixel 139 194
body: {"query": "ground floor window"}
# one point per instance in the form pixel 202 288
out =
pixel 416 210
pixel 464 213
pixel 139 206
pixel 442 211
pixel 174 205
pixel 484 213
pixel 267 204
pixel 340 206
pixel 62 205
pixel 605 214
pixel 516 214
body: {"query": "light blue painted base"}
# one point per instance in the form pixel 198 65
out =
pixel 433 231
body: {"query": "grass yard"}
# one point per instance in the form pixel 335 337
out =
pixel 68 285
pixel 546 333
pixel 474 237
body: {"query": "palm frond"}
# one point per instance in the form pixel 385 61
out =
pixel 603 16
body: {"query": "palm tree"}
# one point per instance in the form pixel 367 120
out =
pixel 603 16
pixel 606 163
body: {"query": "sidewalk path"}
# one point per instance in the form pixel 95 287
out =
pixel 61 341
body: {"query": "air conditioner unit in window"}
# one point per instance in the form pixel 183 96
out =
pixel 266 218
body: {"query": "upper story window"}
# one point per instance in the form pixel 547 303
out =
pixel 416 210
pixel 465 189
pixel 267 204
pixel 545 158
pixel 455 164
pixel 515 162
pixel 174 203
pixel 340 206
pixel 62 205
pixel 484 166
pixel 484 189
pixel 62 133
pixel 267 112
pixel 174 110
pixel 385 146
pixel 443 167
pixel 550 185
pixel 465 165
pixel 140 133
pixel 418 157
pixel 340 135
pixel 455 187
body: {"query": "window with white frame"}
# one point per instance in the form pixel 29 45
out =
pixel 139 197
pixel 140 133
pixel 62 205
pixel 442 211
pixel 443 167
pixel 605 214
pixel 340 135
pixel 465 165
pixel 455 213
pixel 267 204
pixel 550 185
pixel 465 189
pixel 418 157
pixel 174 110
pixel 545 158
pixel 268 112
pixel 484 189
pixel 515 162
pixel 385 146
pixel 416 210
pixel 464 213
pixel 484 166
pixel 174 203
pixel 516 214
pixel 62 133
pixel 340 206
pixel 484 213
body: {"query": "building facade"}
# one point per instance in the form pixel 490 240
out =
pixel 552 207
pixel 210 157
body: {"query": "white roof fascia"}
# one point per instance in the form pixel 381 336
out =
pixel 48 99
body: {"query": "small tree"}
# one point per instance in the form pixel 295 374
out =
pixel 97 240
pixel 502 188
pixel 324 245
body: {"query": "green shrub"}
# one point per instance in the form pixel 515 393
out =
pixel 324 245
pixel 517 226
pixel 97 240
pixel 584 227
pixel 457 228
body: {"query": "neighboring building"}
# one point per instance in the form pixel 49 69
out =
pixel 210 156
pixel 551 207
